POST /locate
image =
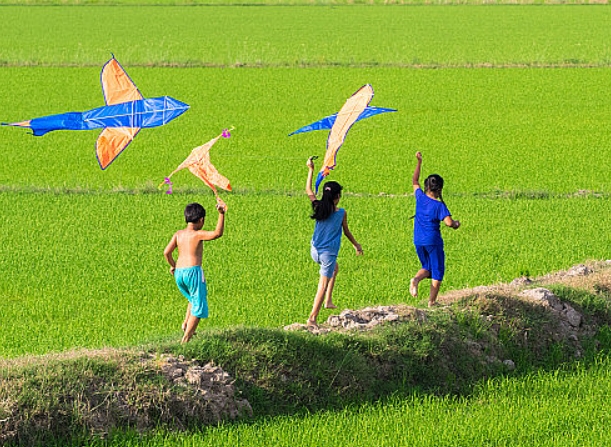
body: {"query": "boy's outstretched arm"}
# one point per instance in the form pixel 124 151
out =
pixel 416 176
pixel 168 253
pixel 220 226
pixel 355 244
pixel 308 188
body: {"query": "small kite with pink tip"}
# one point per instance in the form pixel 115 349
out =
pixel 198 162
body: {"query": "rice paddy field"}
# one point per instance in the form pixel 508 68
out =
pixel 509 103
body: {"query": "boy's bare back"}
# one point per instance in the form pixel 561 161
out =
pixel 190 247
pixel 189 242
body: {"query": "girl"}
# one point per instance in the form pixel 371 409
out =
pixel 330 221
pixel 430 211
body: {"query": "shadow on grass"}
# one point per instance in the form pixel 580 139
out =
pixel 479 337
pixel 293 373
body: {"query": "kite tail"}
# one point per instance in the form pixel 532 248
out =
pixel 168 182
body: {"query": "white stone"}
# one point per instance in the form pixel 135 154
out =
pixel 545 296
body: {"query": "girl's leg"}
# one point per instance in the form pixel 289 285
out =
pixel 329 294
pixel 435 285
pixel 438 260
pixel 192 323
pixel 318 299
pixel 413 283
pixel 184 323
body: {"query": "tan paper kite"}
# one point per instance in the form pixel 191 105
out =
pixel 355 109
pixel 198 162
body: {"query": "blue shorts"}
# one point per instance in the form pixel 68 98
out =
pixel 433 259
pixel 326 260
pixel 192 284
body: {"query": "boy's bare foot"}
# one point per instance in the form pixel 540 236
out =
pixel 433 304
pixel 312 324
pixel 413 287
pixel 330 306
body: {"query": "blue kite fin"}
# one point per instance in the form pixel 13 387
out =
pixel 327 122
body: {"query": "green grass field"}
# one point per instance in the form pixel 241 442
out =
pixel 539 409
pixel 321 35
pixel 516 149
pixel 510 104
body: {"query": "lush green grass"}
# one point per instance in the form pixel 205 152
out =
pixel 556 409
pixel 87 269
pixel 325 35
pixel 331 3
pixel 516 130
pixel 82 248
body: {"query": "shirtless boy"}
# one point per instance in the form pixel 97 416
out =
pixel 187 269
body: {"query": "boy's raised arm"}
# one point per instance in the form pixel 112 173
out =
pixel 220 226
pixel 308 187
pixel 416 176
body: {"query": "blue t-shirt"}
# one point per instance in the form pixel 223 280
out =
pixel 429 213
pixel 328 233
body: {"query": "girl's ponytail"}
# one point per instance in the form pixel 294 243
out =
pixel 434 183
pixel 324 207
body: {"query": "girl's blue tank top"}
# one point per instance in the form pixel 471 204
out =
pixel 327 235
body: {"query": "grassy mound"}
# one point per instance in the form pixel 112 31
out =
pixel 476 334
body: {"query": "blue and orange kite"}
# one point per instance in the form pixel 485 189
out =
pixel 355 109
pixel 125 113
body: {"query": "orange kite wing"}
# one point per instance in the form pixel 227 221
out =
pixel 117 85
pixel 198 162
pixel 208 173
pixel 197 155
pixel 112 141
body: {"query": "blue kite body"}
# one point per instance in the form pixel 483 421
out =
pixel 125 113
pixel 143 113
pixel 327 122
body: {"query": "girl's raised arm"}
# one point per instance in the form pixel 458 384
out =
pixel 309 190
pixel 416 176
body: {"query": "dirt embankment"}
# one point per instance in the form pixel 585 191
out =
pixel 474 333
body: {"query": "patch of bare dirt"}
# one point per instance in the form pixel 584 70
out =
pixel 101 390
pixel 524 308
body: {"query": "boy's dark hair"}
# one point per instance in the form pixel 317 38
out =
pixel 434 183
pixel 324 207
pixel 194 212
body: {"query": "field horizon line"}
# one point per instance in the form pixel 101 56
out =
pixel 150 189
pixel 568 64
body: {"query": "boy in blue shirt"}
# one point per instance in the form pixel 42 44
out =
pixel 430 212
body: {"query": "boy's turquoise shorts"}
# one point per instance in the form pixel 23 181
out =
pixel 192 284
